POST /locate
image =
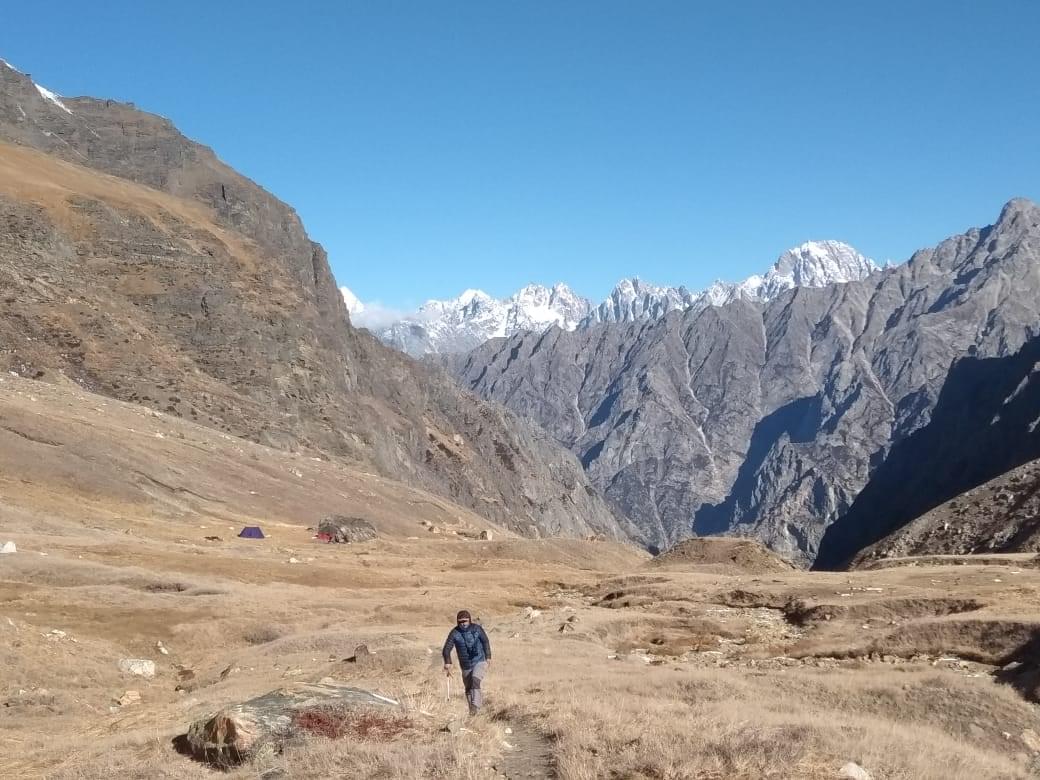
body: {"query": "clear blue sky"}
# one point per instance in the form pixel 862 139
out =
pixel 434 146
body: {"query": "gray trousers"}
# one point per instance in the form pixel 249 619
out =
pixel 472 678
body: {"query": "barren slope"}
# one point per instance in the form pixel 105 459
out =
pixel 604 663
pixel 143 268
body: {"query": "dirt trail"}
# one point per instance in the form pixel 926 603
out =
pixel 531 756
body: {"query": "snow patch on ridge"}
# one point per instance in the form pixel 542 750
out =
pixel 53 98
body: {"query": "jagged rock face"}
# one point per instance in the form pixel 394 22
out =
pixel 767 419
pixel 986 423
pixel 465 322
pixel 143 268
pixel 812 264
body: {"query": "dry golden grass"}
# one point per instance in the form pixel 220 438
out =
pixel 683 672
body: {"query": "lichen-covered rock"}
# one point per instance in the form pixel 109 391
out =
pixel 246 730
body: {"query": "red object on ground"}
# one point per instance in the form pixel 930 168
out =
pixel 323 538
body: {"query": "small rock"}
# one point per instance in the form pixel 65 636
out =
pixel 293 560
pixel 128 698
pixel 452 727
pixel 161 648
pixel 8 548
pixel 531 613
pixel 140 667
pixel 1031 740
pixel 854 771
pixel 485 535
pixel 507 730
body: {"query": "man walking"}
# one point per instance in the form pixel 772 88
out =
pixel 474 651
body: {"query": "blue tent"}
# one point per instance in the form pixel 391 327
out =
pixel 251 532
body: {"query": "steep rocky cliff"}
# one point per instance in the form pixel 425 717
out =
pixel 985 423
pixel 769 419
pixel 137 264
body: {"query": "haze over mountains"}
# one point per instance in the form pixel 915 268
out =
pixel 465 322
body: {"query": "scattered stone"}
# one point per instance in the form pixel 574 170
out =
pixel 161 648
pixel 294 560
pixel 485 535
pixel 360 652
pixel 128 698
pixel 854 771
pixel 139 667
pixel 531 613
pixel 1031 740
pixel 8 548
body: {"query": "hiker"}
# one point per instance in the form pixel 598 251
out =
pixel 474 651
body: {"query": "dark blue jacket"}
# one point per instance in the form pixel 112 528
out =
pixel 470 643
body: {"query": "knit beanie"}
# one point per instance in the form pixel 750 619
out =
pixel 463 615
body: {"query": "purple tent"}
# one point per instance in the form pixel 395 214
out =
pixel 251 532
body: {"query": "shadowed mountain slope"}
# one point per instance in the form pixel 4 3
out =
pixel 986 422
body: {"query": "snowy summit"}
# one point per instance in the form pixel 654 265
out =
pixel 462 323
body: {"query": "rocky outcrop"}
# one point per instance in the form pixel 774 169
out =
pixel 137 264
pixel 768 420
pixel 985 424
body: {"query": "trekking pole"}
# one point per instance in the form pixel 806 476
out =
pixel 447 681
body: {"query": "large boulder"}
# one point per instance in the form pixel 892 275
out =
pixel 248 730
pixel 343 530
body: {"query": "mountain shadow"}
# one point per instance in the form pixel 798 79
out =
pixel 986 422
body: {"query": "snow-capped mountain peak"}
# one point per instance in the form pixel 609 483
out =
pixel 812 264
pixel 462 323
pixel 818 263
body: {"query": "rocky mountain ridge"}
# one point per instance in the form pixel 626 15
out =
pixel 767 419
pixel 138 265
pixel 812 264
pixel 463 323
